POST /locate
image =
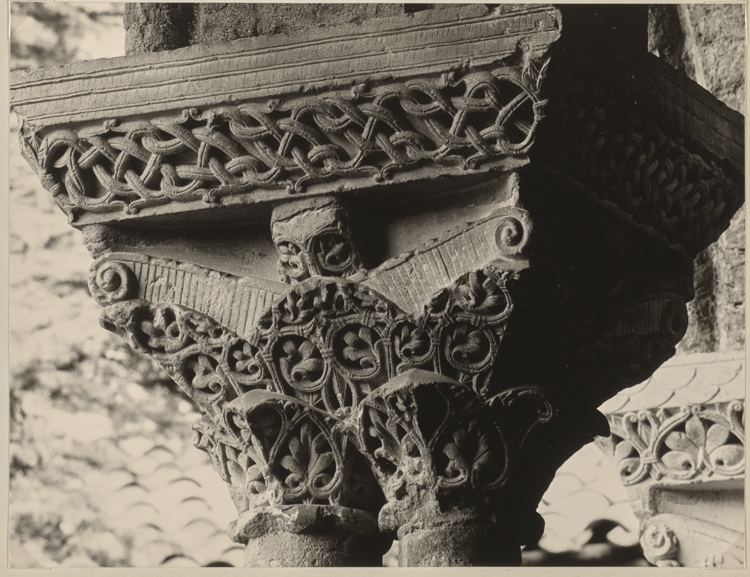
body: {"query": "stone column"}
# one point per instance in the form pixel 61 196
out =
pixel 483 223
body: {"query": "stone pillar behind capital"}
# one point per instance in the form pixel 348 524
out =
pixel 398 262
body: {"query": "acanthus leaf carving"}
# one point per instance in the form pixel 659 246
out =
pixel 678 443
pixel 437 446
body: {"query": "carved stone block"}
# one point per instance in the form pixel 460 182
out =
pixel 477 247
pixel 678 441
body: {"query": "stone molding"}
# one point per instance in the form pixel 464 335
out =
pixel 462 94
pixel 623 129
pixel 426 43
pixel 404 399
pixel 235 302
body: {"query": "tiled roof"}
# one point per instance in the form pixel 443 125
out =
pixel 176 506
pixel 686 380
pixel 585 493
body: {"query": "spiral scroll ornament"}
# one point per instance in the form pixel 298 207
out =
pixel 660 545
pixel 111 282
pixel 513 233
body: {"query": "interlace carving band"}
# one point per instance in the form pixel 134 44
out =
pixel 461 122
pixel 626 161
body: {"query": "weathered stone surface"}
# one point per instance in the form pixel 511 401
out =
pixel 220 22
pixel 314 239
pixel 729 258
pixel 465 369
pixel 369 129
pixel 310 536
pixel 156 27
pixel 706 43
pixel 678 441
pixel 457 540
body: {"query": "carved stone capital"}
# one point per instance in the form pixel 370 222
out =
pixel 313 239
pixel 455 467
pixel 678 442
pixel 484 227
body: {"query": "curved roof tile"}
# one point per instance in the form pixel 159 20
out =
pixel 686 380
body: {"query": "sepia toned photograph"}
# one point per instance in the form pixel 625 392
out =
pixel 376 285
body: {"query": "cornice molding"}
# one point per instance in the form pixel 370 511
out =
pixel 426 43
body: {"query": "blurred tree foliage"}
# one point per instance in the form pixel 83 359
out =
pixel 54 33
pixel 96 429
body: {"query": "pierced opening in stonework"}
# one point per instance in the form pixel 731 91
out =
pixel 207 386
pixel 471 453
pixel 468 348
pixel 247 369
pixel 159 330
pixel 379 442
pixel 333 253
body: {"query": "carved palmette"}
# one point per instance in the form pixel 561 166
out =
pixel 209 362
pixel 679 444
pixel 280 370
pixel 275 450
pixel 434 442
pixel 331 343
pixel 312 358
pixel 431 434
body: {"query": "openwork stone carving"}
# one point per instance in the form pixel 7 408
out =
pixel 675 439
pixel 687 425
pixel 448 458
pixel 454 121
pixel 346 401
pixel 294 477
pixel 313 239
pixel 332 342
pixel 429 437
pixel 680 443
pixel 435 443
